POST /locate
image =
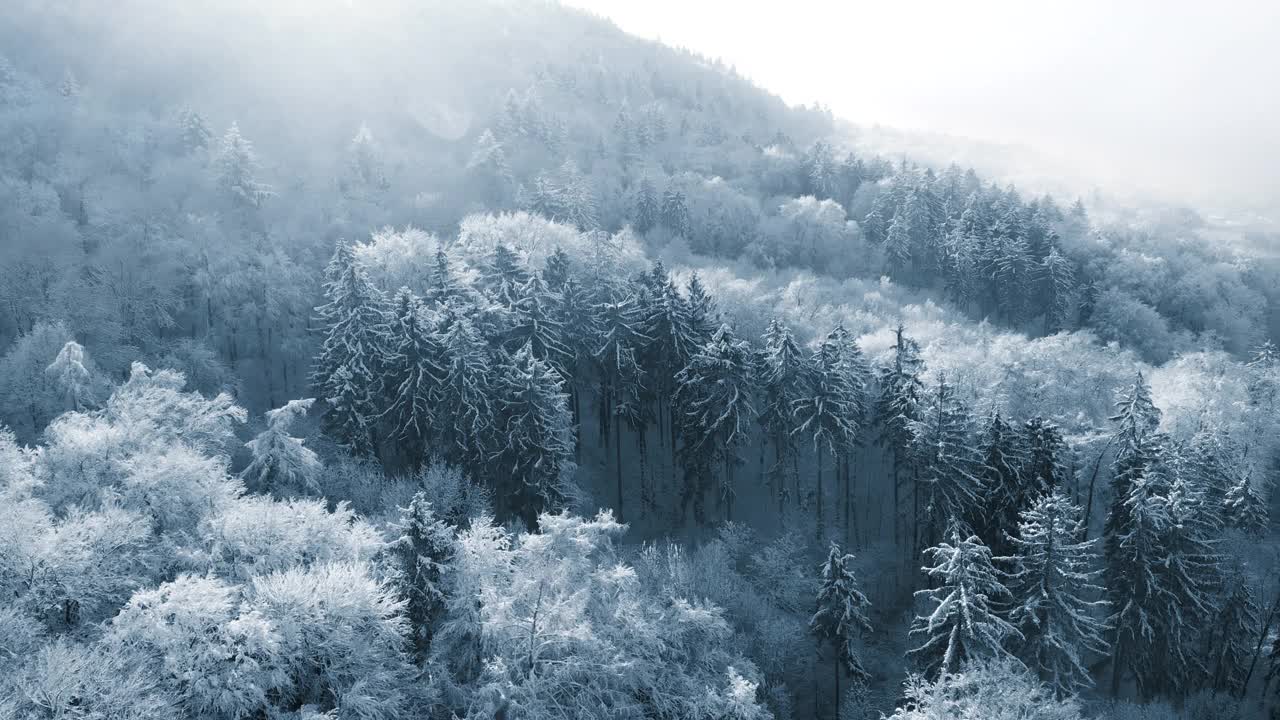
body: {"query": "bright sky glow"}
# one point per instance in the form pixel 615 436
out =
pixel 1173 97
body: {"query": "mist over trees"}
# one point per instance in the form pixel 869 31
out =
pixel 483 361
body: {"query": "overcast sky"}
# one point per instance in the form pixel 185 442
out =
pixel 1170 97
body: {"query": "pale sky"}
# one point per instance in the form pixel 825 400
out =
pixel 1175 98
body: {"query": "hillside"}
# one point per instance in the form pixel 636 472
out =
pixel 401 359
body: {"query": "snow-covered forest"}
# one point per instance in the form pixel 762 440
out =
pixel 477 360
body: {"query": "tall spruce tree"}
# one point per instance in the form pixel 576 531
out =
pixel 943 452
pixel 1233 633
pixel 419 557
pixel 828 414
pixel 621 336
pixel 346 372
pixel 841 617
pixel 464 402
pixel 1056 599
pixel 897 408
pixel 785 376
pixel 715 393
pixel 963 622
pixel 1004 489
pixel 533 450
pixel 412 372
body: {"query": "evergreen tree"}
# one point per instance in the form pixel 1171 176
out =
pixel 1004 490
pixel 943 453
pixel 829 412
pixel 962 624
pixel 236 165
pixel 785 376
pixel 714 392
pixel 577 198
pixel 647 212
pixel 1135 524
pixel 533 453
pixel 1055 593
pixel 621 335
pixel 1245 510
pixel 195 132
pixel 489 161
pixel 346 372
pixel 673 338
pixel 1060 284
pixel 841 617
pixel 535 323
pixel 419 557
pixel 505 276
pixel 1233 632
pixel 280 462
pixel 897 409
pixel 1189 575
pixel 557 270
pixel 464 404
pixel 412 372
pixel 675 212
pixel 1045 450
pixel 445 289
pixel 703 319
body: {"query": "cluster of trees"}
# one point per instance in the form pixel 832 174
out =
pixel 141 580
pixel 543 346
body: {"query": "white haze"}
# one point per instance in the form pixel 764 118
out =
pixel 1172 100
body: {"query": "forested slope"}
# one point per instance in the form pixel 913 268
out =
pixel 340 340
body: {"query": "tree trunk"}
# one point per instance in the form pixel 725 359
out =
pixel 818 499
pixel 1262 637
pixel 617 451
pixel 1117 668
pixel 837 673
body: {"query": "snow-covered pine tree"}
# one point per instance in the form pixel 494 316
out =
pixel 1056 598
pixel 897 407
pixel 281 463
pixel 535 323
pixel 1244 509
pixel 557 269
pixel 1190 576
pixel 962 623
pixel 784 374
pixel 194 131
pixel 829 412
pixel 619 323
pixel 675 211
pixel 1136 530
pixel 505 276
pixel 445 289
pixel 1060 281
pixel 1046 459
pixel 647 210
pixel 841 617
pixel 714 394
pixel 412 371
pixel 418 559
pixel 1004 490
pixel 533 452
pixel 346 372
pixel 464 404
pixel 703 318
pixel 943 453
pixel 577 198
pixel 236 167
pixel 1233 634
